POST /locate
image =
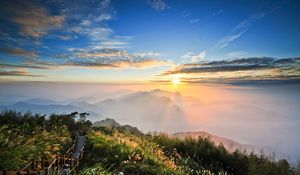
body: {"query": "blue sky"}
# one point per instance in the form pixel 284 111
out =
pixel 113 40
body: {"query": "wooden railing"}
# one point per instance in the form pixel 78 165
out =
pixel 47 167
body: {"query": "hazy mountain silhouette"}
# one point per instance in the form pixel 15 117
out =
pixel 47 109
pixel 145 110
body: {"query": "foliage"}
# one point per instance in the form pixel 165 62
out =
pixel 202 153
pixel 95 170
pixel 27 136
pixel 116 151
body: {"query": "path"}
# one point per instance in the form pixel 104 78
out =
pixel 81 141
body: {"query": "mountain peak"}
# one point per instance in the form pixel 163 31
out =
pixel 110 123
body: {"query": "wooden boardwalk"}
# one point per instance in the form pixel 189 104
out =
pixel 47 167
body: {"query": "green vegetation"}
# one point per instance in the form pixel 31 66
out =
pixel 27 136
pixel 111 150
pixel 202 153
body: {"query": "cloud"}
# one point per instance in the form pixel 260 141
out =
pixel 194 58
pixel 100 63
pixel 255 68
pixel 235 34
pixel 65 37
pixel 112 58
pixel 104 17
pixel 186 13
pixel 245 24
pixel 15 51
pixel 95 59
pixel 18 73
pixel 4 65
pixel 108 53
pixel 158 5
pixel 218 12
pixel 194 20
pixel 33 19
pixel 98 33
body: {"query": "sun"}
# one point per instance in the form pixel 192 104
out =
pixel 176 81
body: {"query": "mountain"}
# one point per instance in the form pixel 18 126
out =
pixel 47 109
pixel 40 101
pixel 144 109
pixel 108 123
pixel 111 123
pixel 107 103
pixel 229 144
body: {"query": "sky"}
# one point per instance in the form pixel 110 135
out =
pixel 149 41
pixel 239 59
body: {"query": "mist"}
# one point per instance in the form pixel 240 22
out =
pixel 262 115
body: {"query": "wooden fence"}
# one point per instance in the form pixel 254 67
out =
pixel 50 167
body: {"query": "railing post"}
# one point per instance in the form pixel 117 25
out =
pixel 42 163
pixel 61 161
pixel 57 164
pixel 70 162
pixel 32 164
pixel 4 172
pixel 46 171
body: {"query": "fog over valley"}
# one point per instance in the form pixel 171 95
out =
pixel 264 116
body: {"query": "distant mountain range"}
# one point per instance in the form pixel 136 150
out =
pixel 142 108
pixel 42 108
pixel 155 110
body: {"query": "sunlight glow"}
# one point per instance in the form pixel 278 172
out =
pixel 176 81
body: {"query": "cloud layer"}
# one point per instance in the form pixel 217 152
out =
pixel 112 58
pixel 255 68
pixel 18 52
pixel 34 20
pixel 17 73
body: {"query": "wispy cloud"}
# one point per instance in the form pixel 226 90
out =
pixel 218 12
pixel 194 58
pixel 91 20
pixel 12 66
pixel 194 20
pixel 245 24
pixel 18 73
pixel 15 51
pixel 65 37
pixel 186 13
pixel 256 68
pixel 158 5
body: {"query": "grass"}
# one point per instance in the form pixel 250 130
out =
pixel 115 152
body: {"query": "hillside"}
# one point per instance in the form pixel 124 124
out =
pixel 113 151
pixel 229 144
pixel 113 148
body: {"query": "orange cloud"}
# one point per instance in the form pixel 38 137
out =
pixel 33 19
